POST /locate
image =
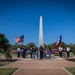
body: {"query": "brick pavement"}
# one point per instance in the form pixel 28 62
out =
pixel 41 67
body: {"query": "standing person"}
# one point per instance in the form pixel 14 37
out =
pixel 49 52
pixel 68 50
pixel 41 52
pixel 60 51
pixel 31 52
pixel 18 52
pixel 23 52
pixel 34 52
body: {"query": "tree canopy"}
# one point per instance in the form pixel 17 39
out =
pixel 4 42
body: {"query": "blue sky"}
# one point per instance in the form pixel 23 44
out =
pixel 21 17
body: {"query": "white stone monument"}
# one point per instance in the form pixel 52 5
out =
pixel 40 35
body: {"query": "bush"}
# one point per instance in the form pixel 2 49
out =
pixel 8 56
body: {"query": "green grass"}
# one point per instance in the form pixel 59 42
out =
pixel 56 54
pixel 64 54
pixel 7 71
pixel 13 54
pixel 3 63
pixel 71 70
pixel 73 59
pixel 1 54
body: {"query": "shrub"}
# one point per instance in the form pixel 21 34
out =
pixel 8 56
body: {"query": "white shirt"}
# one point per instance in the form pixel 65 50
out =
pixel 60 49
pixel 68 49
pixel 18 49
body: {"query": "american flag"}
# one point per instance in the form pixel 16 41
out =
pixel 19 39
pixel 59 41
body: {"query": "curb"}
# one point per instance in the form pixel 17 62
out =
pixel 16 71
pixel 67 71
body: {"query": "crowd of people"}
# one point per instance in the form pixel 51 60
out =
pixel 33 52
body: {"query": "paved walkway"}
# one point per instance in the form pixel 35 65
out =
pixel 29 66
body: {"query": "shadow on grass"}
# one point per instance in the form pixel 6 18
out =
pixel 72 59
pixel 5 60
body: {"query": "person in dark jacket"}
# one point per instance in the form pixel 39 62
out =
pixel 23 52
pixel 41 52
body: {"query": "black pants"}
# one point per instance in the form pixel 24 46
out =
pixel 37 54
pixel 68 54
pixel 31 55
pixel 18 54
pixel 60 53
pixel 23 55
pixel 41 55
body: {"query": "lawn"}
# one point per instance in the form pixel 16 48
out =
pixel 14 54
pixel 4 63
pixel 64 54
pixel 3 55
pixel 71 70
pixel 72 59
pixel 7 71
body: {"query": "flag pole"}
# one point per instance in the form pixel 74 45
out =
pixel 23 40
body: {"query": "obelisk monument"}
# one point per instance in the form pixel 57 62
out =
pixel 40 35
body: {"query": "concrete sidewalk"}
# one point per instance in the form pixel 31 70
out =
pixel 41 67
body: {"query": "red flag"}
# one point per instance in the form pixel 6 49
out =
pixel 59 41
pixel 19 39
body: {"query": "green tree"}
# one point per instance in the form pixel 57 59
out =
pixel 45 46
pixel 14 47
pixel 5 46
pixel 63 45
pixel 4 42
pixel 31 44
pixel 72 47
